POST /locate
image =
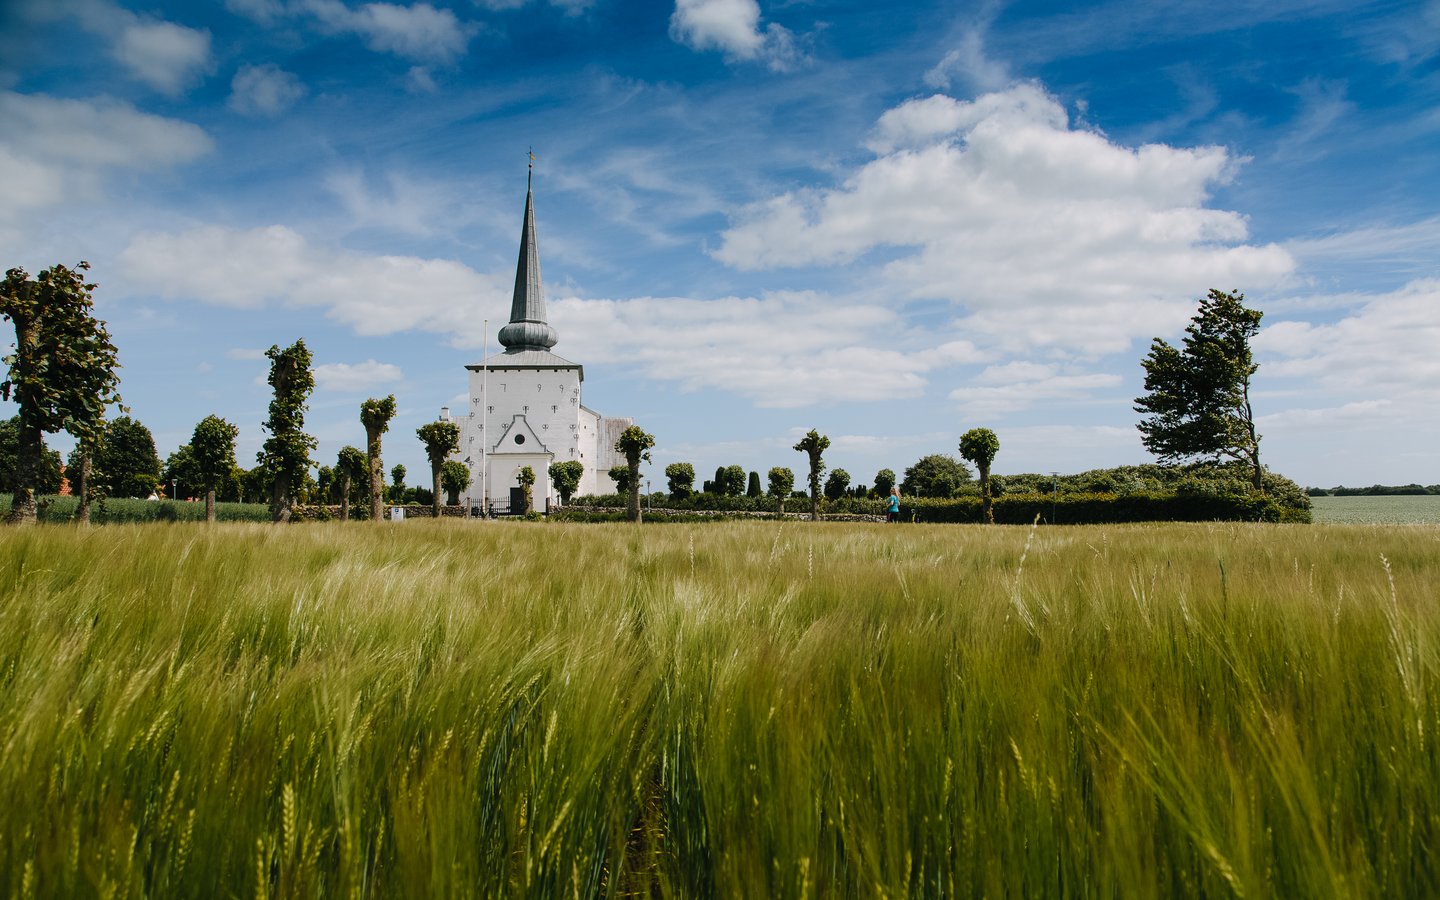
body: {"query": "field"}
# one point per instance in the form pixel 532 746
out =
pixel 730 710
pixel 1395 510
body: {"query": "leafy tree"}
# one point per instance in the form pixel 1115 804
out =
pixel 566 477
pixel 80 472
pixel 814 445
pixel 837 484
pixel 782 482
pixel 936 475
pixel 213 447
pixel 126 460
pixel 375 415
pixel 352 468
pixel 440 440
pixel 178 476
pixel 1198 395
pixel 397 484
pixel 285 455
pixel 327 484
pixel 526 480
pixel 730 481
pixel 681 479
pixel 49 475
pixel 61 374
pixel 979 446
pixel 717 485
pixel 635 444
pixel 454 478
pixel 753 488
pixel 884 481
pixel 621 476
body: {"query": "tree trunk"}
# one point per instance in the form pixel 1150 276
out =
pixel 435 476
pixel 634 502
pixel 345 498
pixel 985 499
pixel 210 505
pixel 814 491
pixel 280 498
pixel 82 488
pixel 27 467
pixel 377 476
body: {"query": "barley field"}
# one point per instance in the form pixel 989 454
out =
pixel 733 710
pixel 1420 509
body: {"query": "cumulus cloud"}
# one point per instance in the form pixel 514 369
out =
pixel 733 28
pixel 1001 205
pixel 418 32
pixel 54 150
pixel 347 377
pixel 264 90
pixel 166 56
pixel 1019 385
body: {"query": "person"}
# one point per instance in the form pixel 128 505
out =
pixel 892 506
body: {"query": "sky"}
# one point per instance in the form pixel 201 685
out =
pixel 889 222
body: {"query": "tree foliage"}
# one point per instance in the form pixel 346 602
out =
pixel 213 447
pixel 752 489
pixel 680 478
pixel 375 415
pixel 979 446
pixel 813 445
pixel 351 469
pixel 635 444
pixel 526 480
pixel 782 482
pixel 397 483
pixel 730 481
pixel 1197 401
pixel 440 439
pixel 837 484
pixel 285 455
pixel 621 476
pixel 126 464
pixel 566 477
pixel 936 475
pixel 47 478
pixel 61 373
pixel 884 481
pixel 454 478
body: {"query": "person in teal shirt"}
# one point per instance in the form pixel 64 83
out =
pixel 892 506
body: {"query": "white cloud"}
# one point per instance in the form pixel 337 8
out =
pixel 356 377
pixel 733 28
pixel 1001 205
pixel 970 62
pixel 264 90
pixel 166 56
pixel 418 32
pixel 1018 385
pixel 54 150
pixel 245 353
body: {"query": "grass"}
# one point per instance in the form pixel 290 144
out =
pixel 728 710
pixel 57 509
pixel 1385 510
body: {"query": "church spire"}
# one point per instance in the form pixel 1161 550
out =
pixel 528 329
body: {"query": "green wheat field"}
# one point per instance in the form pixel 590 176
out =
pixel 739 710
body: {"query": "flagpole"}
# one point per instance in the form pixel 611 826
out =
pixel 484 417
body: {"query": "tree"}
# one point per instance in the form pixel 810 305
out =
pixel 440 439
pixel 730 481
pixel 397 484
pixel 80 472
pixel 178 470
pixel 813 445
pixel 753 488
pixel 837 484
pixel 681 479
pixel 352 468
pixel 566 477
pixel 621 476
pixel 1198 396
pixel 454 477
pixel 782 482
pixel 884 481
pixel 936 475
pixel 717 485
pixel 49 475
pixel 125 458
pixel 213 447
pixel 979 446
pixel 526 480
pixel 375 415
pixel 285 455
pixel 61 374
pixel 635 444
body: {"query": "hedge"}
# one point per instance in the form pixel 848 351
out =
pixel 1097 508
pixel 54 508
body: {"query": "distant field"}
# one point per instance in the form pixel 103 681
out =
pixel 1407 510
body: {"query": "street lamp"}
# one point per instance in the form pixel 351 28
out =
pixel 1055 494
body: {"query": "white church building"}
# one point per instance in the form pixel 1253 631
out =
pixel 525 403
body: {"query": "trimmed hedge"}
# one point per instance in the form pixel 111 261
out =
pixel 54 508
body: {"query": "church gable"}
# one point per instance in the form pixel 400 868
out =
pixel 519 437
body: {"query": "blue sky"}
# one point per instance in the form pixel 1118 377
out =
pixel 891 222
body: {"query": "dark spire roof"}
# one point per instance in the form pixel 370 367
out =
pixel 528 329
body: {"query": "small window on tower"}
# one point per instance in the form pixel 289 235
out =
pixel 519 438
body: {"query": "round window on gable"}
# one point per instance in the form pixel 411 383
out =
pixel 519 438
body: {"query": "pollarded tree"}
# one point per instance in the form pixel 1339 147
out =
pixel 635 444
pixel 566 477
pixel 285 455
pixel 61 374
pixel 375 415
pixel 351 468
pixel 526 480
pixel 884 481
pixel 814 446
pixel 782 482
pixel 979 446
pixel 621 476
pixel 1198 400
pixel 440 440
pixel 454 477
pixel 397 484
pixel 837 484
pixel 213 448
pixel 730 481
pixel 681 479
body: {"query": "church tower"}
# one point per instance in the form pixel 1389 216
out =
pixel 525 404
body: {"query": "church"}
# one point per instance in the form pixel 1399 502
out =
pixel 525 403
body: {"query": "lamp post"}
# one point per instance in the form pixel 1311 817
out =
pixel 1054 495
pixel 484 417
